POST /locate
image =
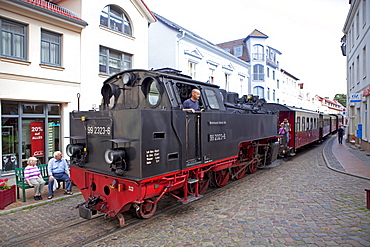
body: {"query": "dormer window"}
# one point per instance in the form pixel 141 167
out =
pixel 113 17
pixel 238 51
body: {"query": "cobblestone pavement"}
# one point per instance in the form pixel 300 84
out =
pixel 299 203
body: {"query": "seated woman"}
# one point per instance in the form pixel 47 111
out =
pixel 33 177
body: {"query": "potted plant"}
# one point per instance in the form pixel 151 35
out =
pixel 7 193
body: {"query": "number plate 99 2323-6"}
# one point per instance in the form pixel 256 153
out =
pixel 99 130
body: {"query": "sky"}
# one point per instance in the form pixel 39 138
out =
pixel 306 32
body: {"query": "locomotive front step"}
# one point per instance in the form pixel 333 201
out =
pixel 193 180
pixel 191 198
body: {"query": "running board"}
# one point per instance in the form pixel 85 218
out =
pixel 193 180
pixel 191 198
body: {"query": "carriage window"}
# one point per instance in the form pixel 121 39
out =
pixel 298 124
pixel 303 124
pixel 153 95
pixel 314 123
pixel 308 124
pixel 212 99
pixel 311 123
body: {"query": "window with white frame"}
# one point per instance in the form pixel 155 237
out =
pixel 268 93
pixel 238 50
pixel 50 48
pixel 192 69
pixel 211 78
pixel 114 18
pixel 258 52
pixel 112 61
pixel 260 91
pixel 13 39
pixel 258 74
pixel 227 81
pixel 273 95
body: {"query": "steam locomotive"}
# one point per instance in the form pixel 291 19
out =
pixel 142 145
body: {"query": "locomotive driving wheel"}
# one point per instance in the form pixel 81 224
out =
pixel 146 209
pixel 239 171
pixel 252 168
pixel 222 177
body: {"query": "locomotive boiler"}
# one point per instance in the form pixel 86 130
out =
pixel 142 145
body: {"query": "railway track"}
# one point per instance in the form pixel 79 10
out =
pixel 81 232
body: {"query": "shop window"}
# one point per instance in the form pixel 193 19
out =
pixel 53 136
pixel 54 109
pixel 9 108
pixel 40 134
pixel 9 134
pixel 33 108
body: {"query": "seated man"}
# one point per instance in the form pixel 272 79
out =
pixel 192 104
pixel 58 170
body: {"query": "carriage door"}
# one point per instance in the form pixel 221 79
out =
pixel 193 132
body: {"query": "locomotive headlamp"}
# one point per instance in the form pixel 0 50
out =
pixel 74 149
pixel 114 155
pixel 128 79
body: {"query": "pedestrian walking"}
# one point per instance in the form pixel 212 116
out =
pixel 340 133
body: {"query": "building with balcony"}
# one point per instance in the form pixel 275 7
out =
pixel 267 79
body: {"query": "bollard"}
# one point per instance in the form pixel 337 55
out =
pixel 367 198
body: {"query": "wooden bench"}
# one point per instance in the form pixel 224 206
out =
pixel 22 184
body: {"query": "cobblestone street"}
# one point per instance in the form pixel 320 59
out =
pixel 299 203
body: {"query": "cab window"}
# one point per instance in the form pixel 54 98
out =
pixel 153 95
pixel 212 99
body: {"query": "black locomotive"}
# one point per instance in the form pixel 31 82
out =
pixel 141 144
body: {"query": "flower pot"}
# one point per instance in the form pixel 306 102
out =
pixel 7 197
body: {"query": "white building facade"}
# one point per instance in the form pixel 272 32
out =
pixel 175 47
pixel 267 79
pixel 356 46
pixel 53 51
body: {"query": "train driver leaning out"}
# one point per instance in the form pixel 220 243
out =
pixel 192 104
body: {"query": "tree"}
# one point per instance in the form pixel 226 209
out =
pixel 341 98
